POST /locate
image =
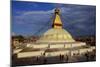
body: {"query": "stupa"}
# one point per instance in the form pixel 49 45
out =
pixel 54 42
pixel 57 33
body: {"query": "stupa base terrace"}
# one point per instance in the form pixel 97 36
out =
pixel 53 49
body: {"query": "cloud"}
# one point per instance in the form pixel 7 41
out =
pixel 32 21
pixel 29 16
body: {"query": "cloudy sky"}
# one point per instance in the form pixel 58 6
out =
pixel 34 18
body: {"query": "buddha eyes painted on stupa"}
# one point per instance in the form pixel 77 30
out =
pixel 57 11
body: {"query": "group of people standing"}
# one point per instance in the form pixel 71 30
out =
pixel 64 58
pixel 61 57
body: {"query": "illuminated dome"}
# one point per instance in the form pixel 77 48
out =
pixel 56 35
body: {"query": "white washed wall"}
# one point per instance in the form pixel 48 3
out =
pixel 57 46
pixel 67 45
pixel 40 46
pixel 56 53
pixel 29 54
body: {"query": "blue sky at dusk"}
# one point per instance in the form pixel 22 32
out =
pixel 34 18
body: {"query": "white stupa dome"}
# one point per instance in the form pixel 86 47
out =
pixel 56 35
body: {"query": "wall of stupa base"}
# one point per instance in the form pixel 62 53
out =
pixel 29 54
pixel 57 45
pixel 68 52
pixel 54 53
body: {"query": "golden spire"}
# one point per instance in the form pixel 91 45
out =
pixel 57 21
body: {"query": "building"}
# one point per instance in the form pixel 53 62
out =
pixel 54 42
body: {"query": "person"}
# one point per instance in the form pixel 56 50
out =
pixel 87 56
pixel 37 58
pixel 45 60
pixel 60 57
pixel 67 58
